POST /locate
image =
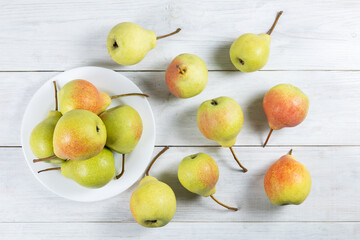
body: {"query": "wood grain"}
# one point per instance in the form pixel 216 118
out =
pixel 89 231
pixel 58 35
pixel 335 189
pixel 333 118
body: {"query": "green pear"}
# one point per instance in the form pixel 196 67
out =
pixel 41 138
pixel 221 120
pixel 79 135
pixel 128 43
pixel 199 174
pixel 250 52
pixel 153 203
pixel 124 128
pixel 94 172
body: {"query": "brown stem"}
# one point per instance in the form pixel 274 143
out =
pixel 56 101
pixel 44 159
pixel 275 22
pixel 156 157
pixel 231 208
pixel 232 151
pixel 129 94
pixel 123 167
pixel 267 139
pixel 180 69
pixel 290 152
pixel 167 35
pixel 49 169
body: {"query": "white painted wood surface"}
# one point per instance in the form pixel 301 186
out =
pixel 315 47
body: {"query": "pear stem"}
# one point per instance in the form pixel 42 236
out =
pixel 44 159
pixel 231 208
pixel 49 169
pixel 180 69
pixel 233 153
pixel 275 22
pixel 267 139
pixel 156 157
pixel 123 167
pixel 56 101
pixel 129 94
pixel 290 152
pixel 167 35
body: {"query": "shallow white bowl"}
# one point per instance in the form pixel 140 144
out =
pixel 112 83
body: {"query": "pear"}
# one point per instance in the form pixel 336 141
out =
pixel 287 181
pixel 250 52
pixel 79 135
pixel 81 94
pixel 221 120
pixel 124 129
pixel 285 106
pixel 186 76
pixel 199 174
pixel 94 172
pixel 153 203
pixel 128 43
pixel 41 138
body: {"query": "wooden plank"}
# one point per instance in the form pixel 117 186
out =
pixel 188 230
pixel 332 119
pixel 41 35
pixel 335 187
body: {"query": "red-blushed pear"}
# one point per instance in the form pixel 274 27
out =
pixel 287 181
pixel 221 120
pixel 81 94
pixel 94 172
pixel 124 129
pixel 199 174
pixel 285 106
pixel 79 135
pixel 186 76
pixel 153 203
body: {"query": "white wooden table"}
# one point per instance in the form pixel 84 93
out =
pixel 316 46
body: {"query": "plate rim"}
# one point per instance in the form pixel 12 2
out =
pixel 23 129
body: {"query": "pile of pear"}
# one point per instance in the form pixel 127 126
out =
pixel 83 134
pixel 287 181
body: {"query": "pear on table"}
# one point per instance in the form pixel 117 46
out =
pixel 250 52
pixel 124 129
pixel 41 138
pixel 79 135
pixel 221 120
pixel 287 181
pixel 153 203
pixel 186 76
pixel 94 172
pixel 199 174
pixel 128 43
pixel 285 106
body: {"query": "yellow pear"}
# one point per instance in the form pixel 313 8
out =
pixel 128 43
pixel 250 52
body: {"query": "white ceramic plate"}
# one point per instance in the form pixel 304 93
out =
pixel 112 83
